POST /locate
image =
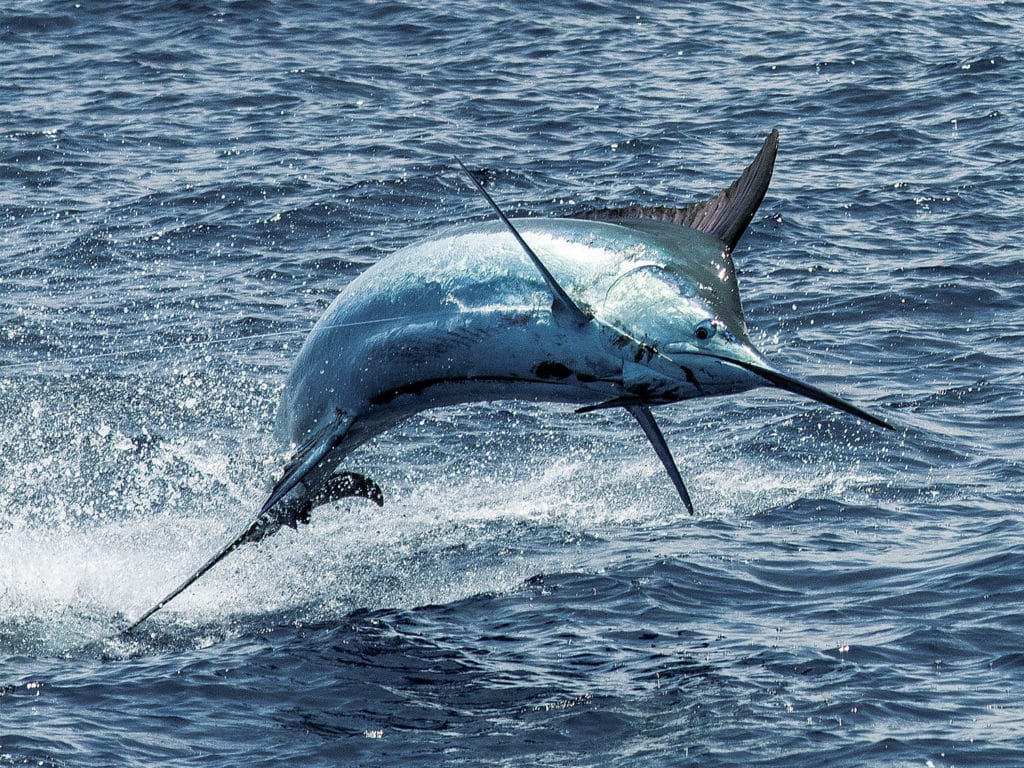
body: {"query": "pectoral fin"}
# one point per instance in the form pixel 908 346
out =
pixel 646 420
pixel 563 303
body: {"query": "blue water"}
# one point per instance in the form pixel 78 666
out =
pixel 185 186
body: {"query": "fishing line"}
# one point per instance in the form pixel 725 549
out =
pixel 188 345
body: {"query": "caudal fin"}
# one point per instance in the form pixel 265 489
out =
pixel 309 458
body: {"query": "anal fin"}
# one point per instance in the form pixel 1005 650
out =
pixel 308 457
pixel 342 485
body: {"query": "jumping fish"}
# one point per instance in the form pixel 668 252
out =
pixel 627 308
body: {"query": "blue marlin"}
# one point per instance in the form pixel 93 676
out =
pixel 630 308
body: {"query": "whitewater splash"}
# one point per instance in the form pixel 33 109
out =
pixel 515 498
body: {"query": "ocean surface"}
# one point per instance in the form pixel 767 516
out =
pixel 184 187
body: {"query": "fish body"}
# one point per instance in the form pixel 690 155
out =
pixel 464 317
pixel 634 307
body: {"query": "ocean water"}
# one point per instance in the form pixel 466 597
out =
pixel 185 186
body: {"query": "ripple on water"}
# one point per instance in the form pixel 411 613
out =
pixel 186 188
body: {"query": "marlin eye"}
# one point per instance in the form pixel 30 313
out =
pixel 705 330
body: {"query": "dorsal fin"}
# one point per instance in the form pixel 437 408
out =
pixel 724 216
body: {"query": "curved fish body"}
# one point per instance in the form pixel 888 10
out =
pixel 465 317
pixel 632 307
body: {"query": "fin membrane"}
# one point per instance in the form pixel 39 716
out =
pixel 724 216
pixel 308 457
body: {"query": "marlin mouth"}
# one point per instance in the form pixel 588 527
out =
pixel 795 385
